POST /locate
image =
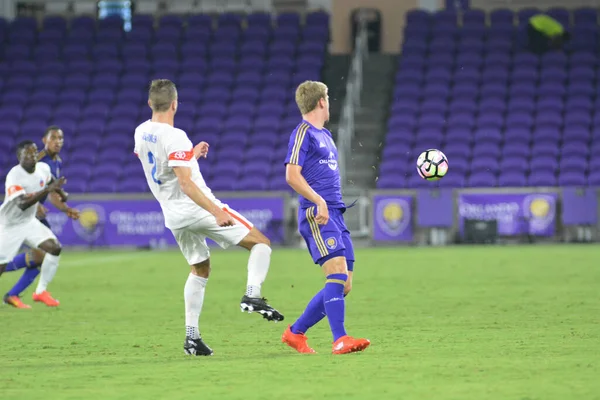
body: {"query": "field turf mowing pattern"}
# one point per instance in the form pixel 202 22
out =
pixel 462 323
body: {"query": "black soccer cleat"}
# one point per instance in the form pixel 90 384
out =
pixel 196 347
pixel 259 305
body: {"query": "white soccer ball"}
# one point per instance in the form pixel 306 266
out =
pixel 432 165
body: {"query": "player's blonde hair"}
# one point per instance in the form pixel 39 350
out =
pixel 308 95
pixel 161 94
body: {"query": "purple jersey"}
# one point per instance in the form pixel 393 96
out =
pixel 55 164
pixel 314 150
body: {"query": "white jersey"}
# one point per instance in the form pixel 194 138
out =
pixel 20 182
pixel 160 147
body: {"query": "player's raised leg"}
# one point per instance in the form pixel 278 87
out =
pixel 242 233
pixel 31 260
pixel 49 267
pixel 258 268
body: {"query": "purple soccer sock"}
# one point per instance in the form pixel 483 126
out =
pixel 333 299
pixel 20 261
pixel 23 283
pixel 314 312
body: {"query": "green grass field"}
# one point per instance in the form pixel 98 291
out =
pixel 445 323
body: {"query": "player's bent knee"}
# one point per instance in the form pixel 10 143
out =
pixel 347 288
pixel 201 269
pixel 335 265
pixel 253 238
pixel 52 247
pixel 55 251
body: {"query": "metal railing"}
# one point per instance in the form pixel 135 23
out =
pixel 352 99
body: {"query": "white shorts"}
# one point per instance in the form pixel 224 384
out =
pixel 192 238
pixel 32 233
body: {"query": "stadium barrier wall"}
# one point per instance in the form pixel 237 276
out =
pixel 437 216
pixel 388 217
pixel 136 220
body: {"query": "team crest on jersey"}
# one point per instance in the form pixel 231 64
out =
pixel 331 243
pixel 41 183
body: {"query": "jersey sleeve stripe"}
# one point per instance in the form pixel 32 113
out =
pixel 300 133
pixel 181 155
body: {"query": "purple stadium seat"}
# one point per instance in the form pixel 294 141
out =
pixel 575 149
pixel 133 185
pixel 502 17
pixel 514 164
pixel 482 179
pixel 572 178
pixel 562 15
pixel 140 35
pixel 76 185
pixel 259 19
pixel 545 148
pixel 102 185
pixel 254 183
pixel 541 178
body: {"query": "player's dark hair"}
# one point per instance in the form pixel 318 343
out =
pixel 23 144
pixel 161 94
pixel 50 129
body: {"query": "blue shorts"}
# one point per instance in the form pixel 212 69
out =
pixel 326 241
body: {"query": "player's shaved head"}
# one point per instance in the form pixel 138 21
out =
pixel 161 95
pixel 27 154
pixel 23 145
pixel 308 95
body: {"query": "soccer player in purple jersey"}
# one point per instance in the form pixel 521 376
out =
pixel 312 171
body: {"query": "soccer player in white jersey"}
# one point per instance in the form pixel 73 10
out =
pixel 193 213
pixel 26 184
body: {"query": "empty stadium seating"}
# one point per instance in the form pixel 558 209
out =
pixel 236 77
pixel 504 117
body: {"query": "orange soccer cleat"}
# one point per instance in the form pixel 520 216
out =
pixel 46 298
pixel 348 344
pixel 15 301
pixel 296 341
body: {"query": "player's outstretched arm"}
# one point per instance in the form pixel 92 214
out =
pixel 24 202
pixel 294 178
pixel 184 177
pixel 57 201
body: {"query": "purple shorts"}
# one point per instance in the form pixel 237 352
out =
pixel 326 241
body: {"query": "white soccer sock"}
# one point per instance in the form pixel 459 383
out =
pixel 49 267
pixel 193 293
pixel 258 267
